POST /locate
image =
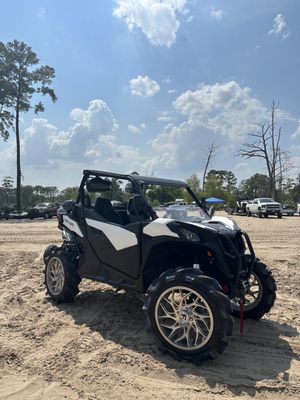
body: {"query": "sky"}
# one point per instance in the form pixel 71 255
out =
pixel 148 85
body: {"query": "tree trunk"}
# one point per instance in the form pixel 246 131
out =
pixel 211 150
pixel 19 206
pixel 273 190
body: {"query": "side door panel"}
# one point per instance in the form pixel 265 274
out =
pixel 115 245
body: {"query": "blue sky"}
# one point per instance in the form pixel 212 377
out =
pixel 147 85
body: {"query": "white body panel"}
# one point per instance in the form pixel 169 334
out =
pixel 72 225
pixel 119 237
pixel 159 227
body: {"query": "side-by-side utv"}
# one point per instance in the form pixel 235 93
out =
pixel 196 270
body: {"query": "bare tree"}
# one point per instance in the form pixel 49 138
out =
pixel 210 154
pixel 265 144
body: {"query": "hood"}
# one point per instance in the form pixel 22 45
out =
pixel 169 227
pixel 273 203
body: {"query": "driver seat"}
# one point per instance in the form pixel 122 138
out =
pixel 104 207
pixel 137 209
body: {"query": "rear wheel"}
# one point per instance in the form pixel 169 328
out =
pixel 61 276
pixel 260 295
pixel 189 315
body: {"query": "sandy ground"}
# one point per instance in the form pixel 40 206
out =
pixel 97 347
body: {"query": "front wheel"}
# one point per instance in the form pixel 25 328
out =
pixel 189 315
pixel 260 295
pixel 279 215
pixel 50 250
pixel 61 276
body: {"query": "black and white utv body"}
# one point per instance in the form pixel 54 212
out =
pixel 196 270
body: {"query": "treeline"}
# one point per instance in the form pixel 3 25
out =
pixel 31 195
pixel 223 184
pixel 219 183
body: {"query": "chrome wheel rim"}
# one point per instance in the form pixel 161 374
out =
pixel 253 294
pixel 55 276
pixel 184 318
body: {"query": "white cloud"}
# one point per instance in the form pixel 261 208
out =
pixel 136 129
pixel 98 116
pixel 296 134
pixel 91 141
pixel 224 108
pixel 224 112
pixel 144 86
pixel 280 27
pixel 156 18
pixel 217 14
pixel 164 116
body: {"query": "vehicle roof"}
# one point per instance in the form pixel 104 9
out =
pixel 149 180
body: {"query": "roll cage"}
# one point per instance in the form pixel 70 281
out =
pixel 138 181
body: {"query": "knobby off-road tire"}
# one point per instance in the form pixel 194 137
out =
pixel 49 250
pixel 61 276
pixel 261 294
pixel 189 316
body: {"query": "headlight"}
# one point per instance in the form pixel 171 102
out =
pixel 189 235
pixel 263 206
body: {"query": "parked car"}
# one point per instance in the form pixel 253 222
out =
pixel 18 215
pixel 9 212
pixel 287 209
pixel 43 210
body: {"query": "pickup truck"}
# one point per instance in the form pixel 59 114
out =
pixel 263 207
pixel 44 210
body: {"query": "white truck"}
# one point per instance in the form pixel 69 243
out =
pixel 263 207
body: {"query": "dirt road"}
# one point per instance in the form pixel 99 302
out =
pixel 97 347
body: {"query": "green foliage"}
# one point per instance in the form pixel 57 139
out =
pixel 116 192
pixel 216 185
pixel 224 179
pixel 255 186
pixel 194 182
pixel 163 194
pixel 69 193
pixel 295 194
pixel 7 191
